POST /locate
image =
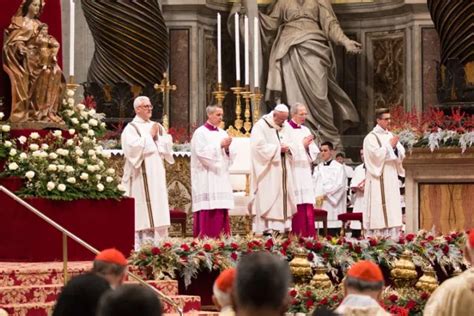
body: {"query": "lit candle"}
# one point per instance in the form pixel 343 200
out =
pixel 246 49
pixel 256 39
pixel 237 47
pixel 72 23
pixel 219 47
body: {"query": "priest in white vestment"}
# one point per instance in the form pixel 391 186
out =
pixel 211 157
pixel 330 185
pixel 145 144
pixel 304 151
pixel 383 156
pixel 273 201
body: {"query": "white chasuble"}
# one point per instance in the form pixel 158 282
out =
pixel 144 175
pixel 301 162
pixel 382 190
pixel 273 202
pixel 330 181
pixel 211 186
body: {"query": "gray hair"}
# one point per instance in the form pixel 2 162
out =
pixel 363 286
pixel 212 108
pixel 139 100
pixel 295 107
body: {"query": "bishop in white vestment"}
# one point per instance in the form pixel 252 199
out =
pixel 145 144
pixel 330 185
pixel 211 157
pixel 383 156
pixel 273 202
pixel 304 151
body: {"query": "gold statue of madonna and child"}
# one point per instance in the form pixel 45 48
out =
pixel 30 60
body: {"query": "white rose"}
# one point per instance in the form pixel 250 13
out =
pixel 85 126
pixel 23 156
pixel 70 93
pixel 12 152
pixel 81 107
pixel 30 174
pixel 61 167
pixel 100 187
pixel 71 180
pixel 109 179
pixel 91 112
pixel 44 146
pixel 34 135
pixel 53 156
pixel 106 154
pixel 94 158
pixel 72 131
pixel 22 139
pixel 13 166
pixel 61 187
pixel 90 168
pixel 86 139
pixel 98 176
pixel 34 147
pixel 84 114
pixel 90 132
pixel 64 152
pixel 70 100
pixel 69 113
pixel 74 121
pixel 52 167
pixel 43 154
pixel 84 176
pixel 111 171
pixel 69 169
pixel 50 186
pixel 5 128
pixel 81 161
pixel 37 153
pixel 91 152
pixel 93 122
pixel 69 142
pixel 8 144
pixel 79 152
pixel 2 115
pixel 101 163
pixel 102 125
pixel 121 187
pixel 57 133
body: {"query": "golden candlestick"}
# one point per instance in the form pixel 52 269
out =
pixel 238 123
pixel 256 97
pixel 247 96
pixel 219 96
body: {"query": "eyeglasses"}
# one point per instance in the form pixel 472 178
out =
pixel 148 106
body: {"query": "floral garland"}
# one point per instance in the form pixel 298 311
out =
pixel 433 128
pixel 64 166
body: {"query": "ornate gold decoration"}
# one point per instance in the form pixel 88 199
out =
pixel 238 123
pixel 320 279
pixel 404 272
pixel 300 268
pixel 219 96
pixel 165 87
pixel 256 97
pixel 246 94
pixel 428 281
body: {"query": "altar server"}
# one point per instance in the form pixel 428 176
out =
pixel 211 157
pixel 330 185
pixel 273 202
pixel 145 144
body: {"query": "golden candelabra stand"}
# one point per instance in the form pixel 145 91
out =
pixel 247 95
pixel 219 96
pixel 236 130
pixel 256 98
pixel 165 87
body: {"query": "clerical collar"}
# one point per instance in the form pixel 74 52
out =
pixel 327 163
pixel 138 119
pixel 211 127
pixel 293 124
pixel 379 129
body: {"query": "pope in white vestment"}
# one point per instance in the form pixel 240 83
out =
pixel 211 157
pixel 383 156
pixel 330 185
pixel 273 202
pixel 145 144
pixel 304 151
